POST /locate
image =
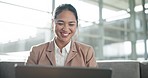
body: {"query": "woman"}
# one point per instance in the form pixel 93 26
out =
pixel 62 50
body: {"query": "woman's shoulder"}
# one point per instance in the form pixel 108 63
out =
pixel 82 45
pixel 41 45
pixel 84 48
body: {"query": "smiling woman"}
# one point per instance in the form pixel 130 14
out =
pixel 63 50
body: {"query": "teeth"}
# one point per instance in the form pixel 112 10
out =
pixel 65 34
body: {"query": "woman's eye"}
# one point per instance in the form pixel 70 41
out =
pixel 60 23
pixel 71 24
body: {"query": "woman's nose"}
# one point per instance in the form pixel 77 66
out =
pixel 65 27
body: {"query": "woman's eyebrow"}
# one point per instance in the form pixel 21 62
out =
pixel 59 21
pixel 72 21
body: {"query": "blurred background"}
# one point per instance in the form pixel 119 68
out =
pixel 117 29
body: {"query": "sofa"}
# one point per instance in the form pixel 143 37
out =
pixel 144 69
pixel 120 69
pixel 7 69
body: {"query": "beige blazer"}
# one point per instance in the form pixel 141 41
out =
pixel 80 55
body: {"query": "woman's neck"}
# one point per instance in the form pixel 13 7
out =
pixel 61 44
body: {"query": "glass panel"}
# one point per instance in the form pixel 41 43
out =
pixel 42 5
pixel 22 25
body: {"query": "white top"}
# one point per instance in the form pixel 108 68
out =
pixel 60 57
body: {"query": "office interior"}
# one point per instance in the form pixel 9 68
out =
pixel 117 30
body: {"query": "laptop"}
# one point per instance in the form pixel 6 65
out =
pixel 36 71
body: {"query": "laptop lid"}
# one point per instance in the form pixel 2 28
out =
pixel 60 72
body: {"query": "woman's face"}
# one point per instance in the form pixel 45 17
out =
pixel 65 26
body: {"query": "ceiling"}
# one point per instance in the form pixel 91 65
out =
pixel 115 4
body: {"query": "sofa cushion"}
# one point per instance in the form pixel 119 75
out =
pixel 121 69
pixel 144 69
pixel 7 69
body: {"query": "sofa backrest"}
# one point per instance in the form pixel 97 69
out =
pixel 7 69
pixel 125 69
pixel 120 69
pixel 144 69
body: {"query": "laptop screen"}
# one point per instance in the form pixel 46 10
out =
pixel 60 72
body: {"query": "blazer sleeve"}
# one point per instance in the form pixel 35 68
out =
pixel 32 59
pixel 90 58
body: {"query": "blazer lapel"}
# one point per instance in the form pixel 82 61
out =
pixel 50 53
pixel 72 53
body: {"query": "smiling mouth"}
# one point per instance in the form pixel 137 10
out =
pixel 64 34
